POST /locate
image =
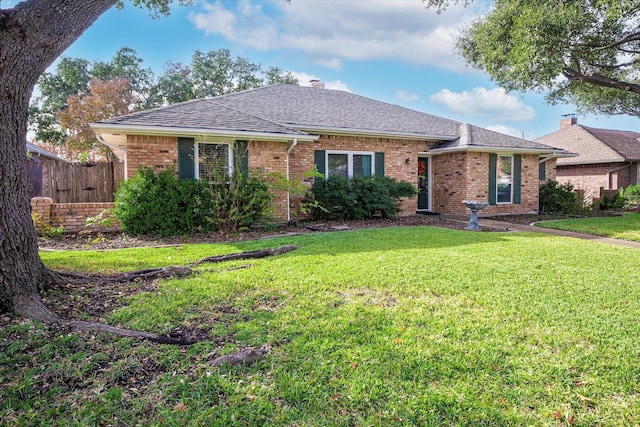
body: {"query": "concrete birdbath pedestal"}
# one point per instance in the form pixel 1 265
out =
pixel 474 206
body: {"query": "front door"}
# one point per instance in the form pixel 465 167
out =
pixel 423 184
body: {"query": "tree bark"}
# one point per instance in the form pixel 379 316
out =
pixel 32 35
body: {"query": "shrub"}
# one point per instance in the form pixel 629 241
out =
pixel 359 197
pixel 618 202
pixel 45 229
pixel 160 204
pixel 631 196
pixel 561 198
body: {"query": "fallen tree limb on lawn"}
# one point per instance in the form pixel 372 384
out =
pixel 35 309
pixel 170 271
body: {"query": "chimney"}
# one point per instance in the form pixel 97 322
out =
pixel 316 84
pixel 568 120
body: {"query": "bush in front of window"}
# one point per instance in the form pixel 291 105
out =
pixel 556 198
pixel 161 204
pixel 359 197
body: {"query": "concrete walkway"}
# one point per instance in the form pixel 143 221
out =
pixel 507 226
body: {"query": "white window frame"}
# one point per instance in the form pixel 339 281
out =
pixel 511 156
pixel 350 155
pixel 229 155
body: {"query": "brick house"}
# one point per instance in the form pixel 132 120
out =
pixel 289 129
pixel 606 160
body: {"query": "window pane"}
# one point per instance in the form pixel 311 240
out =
pixel 504 193
pixel 213 160
pixel 504 179
pixel 361 165
pixel 338 165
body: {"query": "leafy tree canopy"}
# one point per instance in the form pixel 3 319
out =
pixel 209 74
pixel 585 52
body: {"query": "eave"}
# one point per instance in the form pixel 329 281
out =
pixel 105 130
pixel 488 149
pixel 330 130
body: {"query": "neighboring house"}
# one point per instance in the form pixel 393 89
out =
pixel 289 129
pixel 607 159
pixel 38 169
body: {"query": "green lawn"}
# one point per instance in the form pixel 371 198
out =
pixel 625 227
pixel 401 326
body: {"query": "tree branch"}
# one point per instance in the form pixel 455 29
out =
pixel 600 80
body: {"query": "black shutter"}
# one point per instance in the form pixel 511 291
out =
pixel 493 173
pixel 319 160
pixel 186 158
pixel 241 156
pixel 542 170
pixel 517 178
pixel 379 164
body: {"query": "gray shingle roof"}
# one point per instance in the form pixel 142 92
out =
pixel 293 109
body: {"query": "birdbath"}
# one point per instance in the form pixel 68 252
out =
pixel 475 206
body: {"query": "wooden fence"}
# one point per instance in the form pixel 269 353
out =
pixel 84 183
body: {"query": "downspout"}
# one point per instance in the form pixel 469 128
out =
pixel 615 170
pixel 289 150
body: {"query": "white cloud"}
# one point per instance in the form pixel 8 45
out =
pixel 332 31
pixel 495 104
pixel 404 95
pixel 305 80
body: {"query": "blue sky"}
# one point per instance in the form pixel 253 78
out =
pixel 391 50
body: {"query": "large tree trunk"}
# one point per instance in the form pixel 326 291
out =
pixel 32 36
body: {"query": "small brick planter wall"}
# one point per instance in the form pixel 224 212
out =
pixel 72 216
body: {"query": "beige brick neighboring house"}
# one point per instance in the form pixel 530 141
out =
pixel 606 159
pixel 290 129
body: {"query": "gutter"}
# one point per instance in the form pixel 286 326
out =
pixel 329 130
pixel 487 149
pixel 194 132
pixel 289 150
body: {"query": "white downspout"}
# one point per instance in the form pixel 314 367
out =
pixel 289 150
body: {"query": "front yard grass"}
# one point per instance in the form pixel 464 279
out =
pixel 625 227
pixel 399 326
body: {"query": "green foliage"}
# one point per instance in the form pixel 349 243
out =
pixel 160 204
pixel 560 198
pixel 103 219
pixel 211 73
pixel 45 229
pixel 359 197
pixel 618 202
pixel 631 196
pixel 526 45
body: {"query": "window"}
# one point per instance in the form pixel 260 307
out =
pixel 212 160
pixel 504 179
pixel 348 164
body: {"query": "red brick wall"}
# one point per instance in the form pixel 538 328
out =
pixel 591 177
pixel 156 152
pixel 464 176
pixel 455 176
pixel 72 216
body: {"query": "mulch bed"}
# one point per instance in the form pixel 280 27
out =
pixel 102 241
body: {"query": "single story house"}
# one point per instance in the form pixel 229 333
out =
pixel 289 129
pixel 606 159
